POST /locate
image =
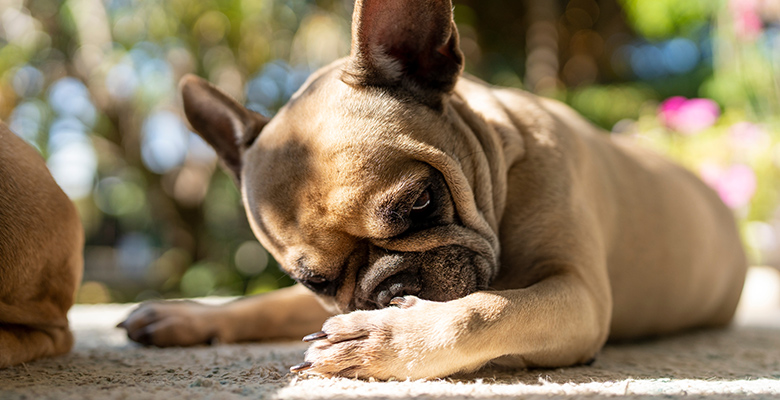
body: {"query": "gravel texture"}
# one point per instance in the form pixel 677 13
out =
pixel 740 362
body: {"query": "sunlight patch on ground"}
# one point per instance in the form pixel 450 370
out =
pixel 336 388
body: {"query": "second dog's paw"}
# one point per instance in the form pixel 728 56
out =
pixel 413 340
pixel 171 323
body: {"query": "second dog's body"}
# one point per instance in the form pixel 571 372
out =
pixel 41 243
pixel 501 226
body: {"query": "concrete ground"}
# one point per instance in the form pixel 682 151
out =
pixel 740 362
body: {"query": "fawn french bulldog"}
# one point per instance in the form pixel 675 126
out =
pixel 449 223
pixel 41 243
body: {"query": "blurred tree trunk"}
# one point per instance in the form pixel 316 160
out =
pixel 550 44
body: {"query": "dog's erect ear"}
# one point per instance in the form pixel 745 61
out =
pixel 411 43
pixel 223 123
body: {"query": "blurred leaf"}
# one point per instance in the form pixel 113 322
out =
pixel 660 19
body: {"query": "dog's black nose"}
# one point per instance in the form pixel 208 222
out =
pixel 320 285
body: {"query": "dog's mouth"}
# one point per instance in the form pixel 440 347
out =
pixel 441 274
pixel 386 276
pixel 402 284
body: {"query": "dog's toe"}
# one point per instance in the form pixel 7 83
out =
pixel 404 302
pixel 171 324
pixel 142 336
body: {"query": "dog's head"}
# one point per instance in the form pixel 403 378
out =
pixel 358 186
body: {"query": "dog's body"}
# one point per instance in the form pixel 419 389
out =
pixel 41 244
pixel 504 227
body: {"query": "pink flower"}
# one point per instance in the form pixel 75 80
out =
pixel 747 136
pixel 735 185
pixel 747 22
pixel 688 116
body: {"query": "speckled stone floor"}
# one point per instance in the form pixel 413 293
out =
pixel 740 362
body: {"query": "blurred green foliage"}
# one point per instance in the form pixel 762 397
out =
pixel 661 19
pixel 92 84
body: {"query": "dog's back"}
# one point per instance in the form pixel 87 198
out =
pixel 698 265
pixel 40 255
pixel 673 251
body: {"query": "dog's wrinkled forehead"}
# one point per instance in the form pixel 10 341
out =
pixel 330 159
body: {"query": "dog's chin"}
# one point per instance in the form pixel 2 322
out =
pixel 441 274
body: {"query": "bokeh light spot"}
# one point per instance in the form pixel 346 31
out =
pixel 134 254
pixel 117 197
pixel 92 292
pixel 199 280
pixel 28 81
pixel 69 97
pixel 680 55
pixel 647 62
pixel 165 142
pixel 72 159
pixel 212 26
pixel 26 120
pixel 251 258
pixel 121 81
pixel 199 150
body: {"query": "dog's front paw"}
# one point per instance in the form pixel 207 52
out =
pixel 416 339
pixel 171 323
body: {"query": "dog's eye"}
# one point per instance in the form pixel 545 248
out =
pixel 423 201
pixel 422 204
pixel 320 285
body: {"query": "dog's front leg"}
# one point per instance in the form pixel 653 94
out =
pixel 556 322
pixel 285 313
